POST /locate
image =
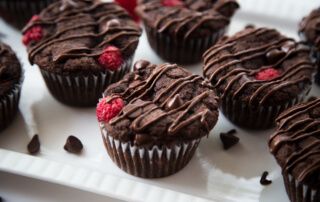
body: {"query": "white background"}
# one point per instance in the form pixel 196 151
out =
pixel 213 173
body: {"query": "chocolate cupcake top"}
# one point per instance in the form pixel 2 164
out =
pixel 10 70
pixel 296 142
pixel 71 35
pixel 186 19
pixel 259 66
pixel 309 28
pixel 162 104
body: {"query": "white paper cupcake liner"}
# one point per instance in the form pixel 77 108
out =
pixel 148 162
pixel 9 105
pixel 83 91
pixel 187 52
pixel 298 192
pixel 264 117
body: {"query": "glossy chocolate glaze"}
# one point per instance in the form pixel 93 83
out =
pixel 114 17
pixel 168 103
pixel 275 53
pixel 310 28
pixel 296 142
pixel 183 21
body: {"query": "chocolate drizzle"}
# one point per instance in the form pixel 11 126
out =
pixel 229 70
pixel 114 18
pixel 169 102
pixel 182 22
pixel 310 28
pixel 299 126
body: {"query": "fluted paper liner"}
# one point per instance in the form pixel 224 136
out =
pixel 298 192
pixel 9 105
pixel 187 52
pixel 85 90
pixel 264 117
pixel 148 162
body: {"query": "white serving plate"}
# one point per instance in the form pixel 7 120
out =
pixel 213 174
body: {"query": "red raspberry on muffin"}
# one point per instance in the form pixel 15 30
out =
pixel 112 59
pixel 34 34
pixel 107 110
pixel 267 74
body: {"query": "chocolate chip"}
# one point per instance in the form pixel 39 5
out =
pixel 34 144
pixel 73 144
pixel 228 139
pixel 263 179
pixel 287 46
pixel 113 23
pixel 274 55
pixel 312 98
pixel 141 64
pixel 174 102
pixel 142 139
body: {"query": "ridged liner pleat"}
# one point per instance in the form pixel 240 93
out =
pixel 83 91
pixel 149 162
pixel 187 52
pixel 264 117
pixel 298 192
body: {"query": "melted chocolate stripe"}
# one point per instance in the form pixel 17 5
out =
pixel 169 18
pixel 264 49
pixel 179 88
pixel 167 15
pixel 234 62
pixel 172 86
pixel 249 54
pixel 308 127
pixel 297 157
pixel 297 111
pixel 176 86
pixel 111 9
pixel 275 144
pixel 307 172
pixel 276 88
pixel 233 80
pixel 204 19
pixel 177 124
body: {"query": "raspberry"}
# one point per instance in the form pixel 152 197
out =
pixel 170 3
pixel 129 5
pixel 106 111
pixel 267 74
pixel 34 34
pixel 112 59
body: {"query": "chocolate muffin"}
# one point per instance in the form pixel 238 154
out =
pixel 296 147
pixel 152 121
pixel 180 31
pixel 258 73
pixel 18 12
pixel 81 47
pixel 309 31
pixel 11 77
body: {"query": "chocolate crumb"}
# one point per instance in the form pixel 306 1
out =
pixel 228 139
pixel 34 144
pixel 312 98
pixel 73 144
pixel 264 180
